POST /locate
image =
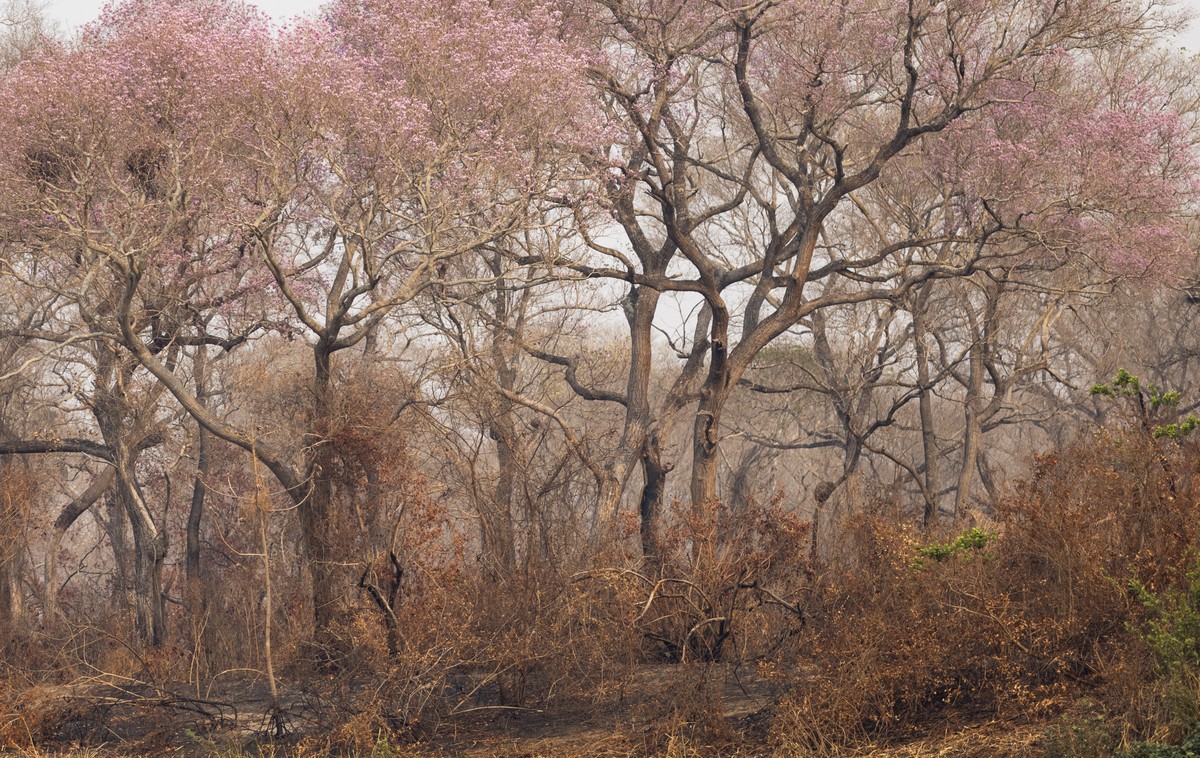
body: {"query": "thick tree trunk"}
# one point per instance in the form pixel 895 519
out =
pixel 316 525
pixel 821 494
pixel 635 439
pixel 987 479
pixel 149 551
pixel 116 525
pixel 704 492
pixel 751 472
pixel 318 545
pixel 705 445
pixel 706 429
pixel 654 484
pixel 149 607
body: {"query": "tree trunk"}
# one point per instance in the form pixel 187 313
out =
pixel 978 409
pixel 200 485
pixel 68 516
pixel 705 442
pixel 115 523
pixel 821 494
pixel 706 429
pixel 316 525
pixel 654 483
pixel 970 449
pixel 705 496
pixel 10 605
pixel 929 448
pixel 987 479
pixel 149 550
pixel 635 439
pixel 495 513
pixel 14 494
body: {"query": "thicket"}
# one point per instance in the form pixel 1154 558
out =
pixel 1084 585
pixel 1077 605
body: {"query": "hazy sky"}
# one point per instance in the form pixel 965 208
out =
pixel 72 13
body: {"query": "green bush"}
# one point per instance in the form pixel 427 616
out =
pixel 969 541
pixel 1172 631
pixel 1189 749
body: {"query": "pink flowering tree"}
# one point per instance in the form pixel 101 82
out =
pixel 124 207
pixel 757 139
pixel 188 175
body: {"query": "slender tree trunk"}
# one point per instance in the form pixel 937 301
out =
pixel 68 516
pixel 13 506
pixel 200 485
pixel 974 430
pixel 495 513
pixel 10 606
pixel 929 447
pixel 971 435
pixel 50 610
pixel 262 513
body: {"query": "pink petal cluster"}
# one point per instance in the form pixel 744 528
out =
pixel 184 137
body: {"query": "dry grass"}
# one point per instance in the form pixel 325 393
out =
pixel 991 739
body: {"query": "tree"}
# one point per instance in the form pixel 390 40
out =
pixel 751 136
pixel 339 167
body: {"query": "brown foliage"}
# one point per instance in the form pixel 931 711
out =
pixel 1009 629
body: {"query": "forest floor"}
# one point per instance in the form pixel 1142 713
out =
pixel 658 710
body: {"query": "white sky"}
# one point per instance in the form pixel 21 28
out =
pixel 73 13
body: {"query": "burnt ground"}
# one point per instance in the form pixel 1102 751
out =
pixel 653 710
pixel 668 710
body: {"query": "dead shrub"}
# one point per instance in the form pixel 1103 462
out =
pixel 729 585
pixel 1016 624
